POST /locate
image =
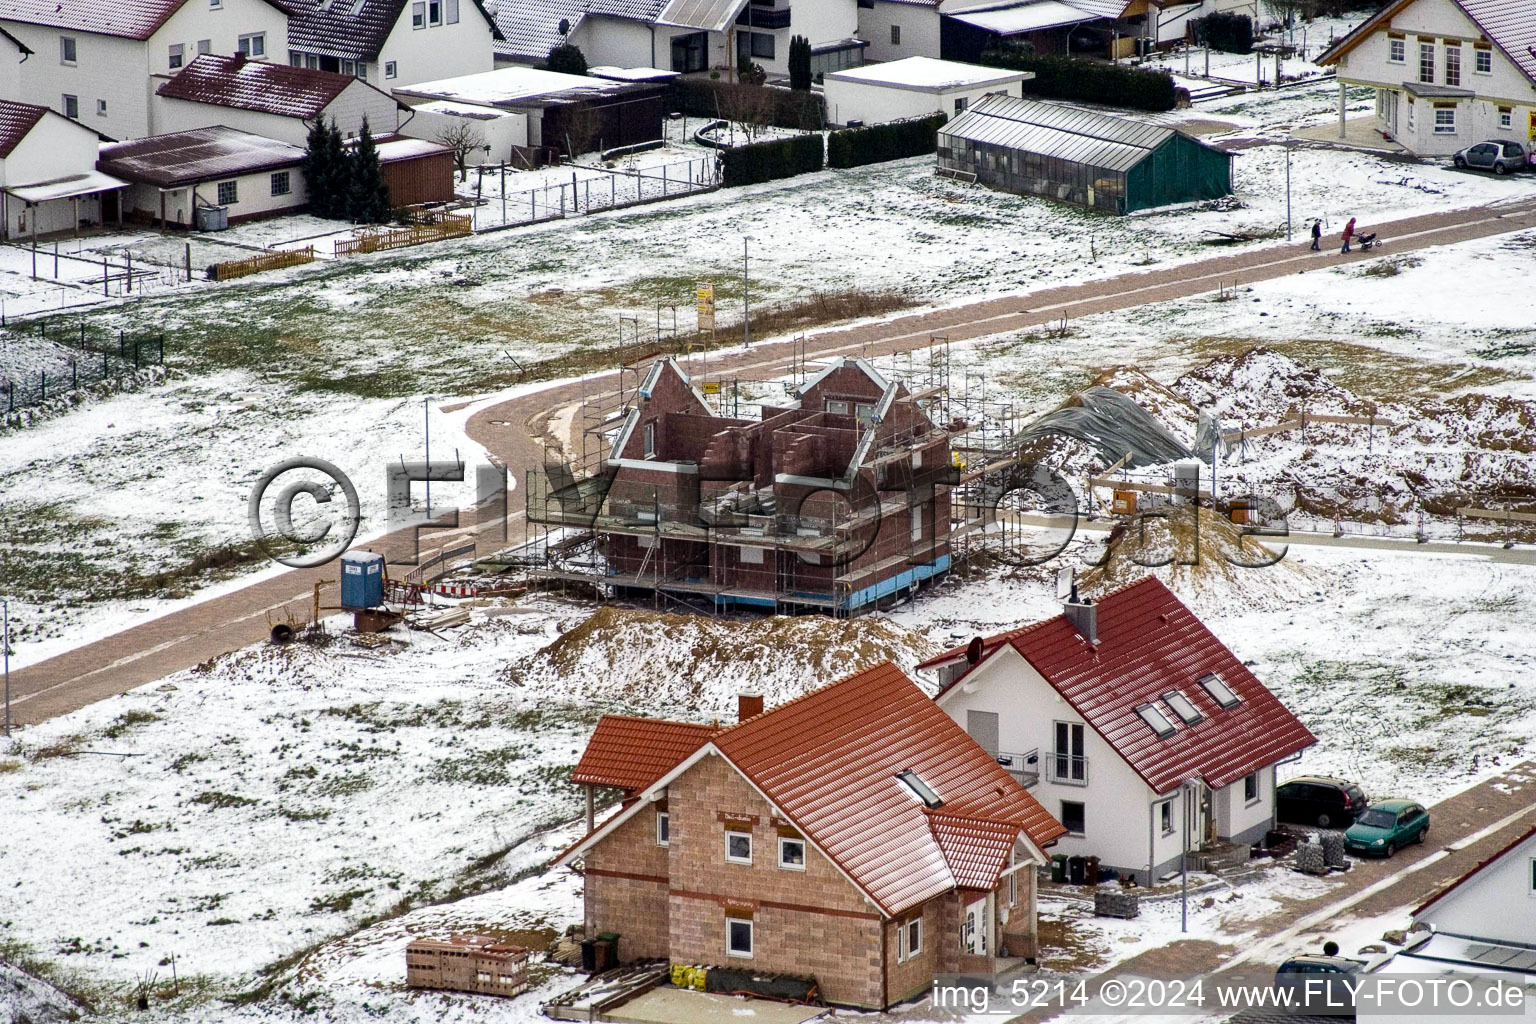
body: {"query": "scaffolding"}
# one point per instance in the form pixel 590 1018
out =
pixel 835 555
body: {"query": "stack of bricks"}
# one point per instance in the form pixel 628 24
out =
pixel 1113 902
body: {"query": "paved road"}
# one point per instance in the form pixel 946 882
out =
pixel 512 432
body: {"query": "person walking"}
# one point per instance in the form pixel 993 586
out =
pixel 1349 232
pixel 1317 233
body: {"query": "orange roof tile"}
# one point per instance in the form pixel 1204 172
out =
pixel 631 753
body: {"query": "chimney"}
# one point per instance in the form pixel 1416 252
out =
pixel 749 704
pixel 1083 614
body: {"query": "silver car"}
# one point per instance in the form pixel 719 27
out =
pixel 1498 157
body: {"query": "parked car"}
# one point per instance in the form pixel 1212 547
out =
pixel 1319 800
pixel 1387 826
pixel 1498 157
pixel 1320 980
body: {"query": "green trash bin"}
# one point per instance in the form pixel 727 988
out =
pixel 1059 868
pixel 612 938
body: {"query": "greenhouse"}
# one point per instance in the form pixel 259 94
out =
pixel 1078 156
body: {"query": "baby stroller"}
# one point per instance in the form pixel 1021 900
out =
pixel 1367 241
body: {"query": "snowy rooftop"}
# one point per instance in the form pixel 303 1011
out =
pixel 619 74
pixel 514 86
pixel 1032 17
pixel 402 148
pixel 185 158
pixel 928 74
pixel 473 110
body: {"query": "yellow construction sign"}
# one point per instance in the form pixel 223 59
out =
pixel 711 387
pixel 705 293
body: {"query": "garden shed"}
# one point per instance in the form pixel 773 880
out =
pixel 1079 156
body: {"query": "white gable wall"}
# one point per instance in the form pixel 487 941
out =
pixel 1437 22
pixel 348 109
pixel 874 103
pixel 106 68
pixel 919 30
pixel 1498 903
pixel 507 130
pixel 10 68
pixel 436 51
pixel 55 148
pixel 221 27
pixel 1119 805
pixel 618 42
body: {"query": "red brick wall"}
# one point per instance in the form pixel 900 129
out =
pixel 915 975
pixel 625 887
pixel 805 922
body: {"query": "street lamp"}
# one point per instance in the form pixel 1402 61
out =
pixel 5 645
pixel 426 420
pixel 746 294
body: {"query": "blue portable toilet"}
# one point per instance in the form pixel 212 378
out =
pixel 362 580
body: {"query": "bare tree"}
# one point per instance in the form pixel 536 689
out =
pixel 463 137
pixel 750 106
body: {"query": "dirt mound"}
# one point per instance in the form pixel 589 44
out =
pixel 1263 386
pixel 699 663
pixel 1209 566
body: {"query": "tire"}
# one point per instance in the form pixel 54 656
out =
pixel 1499 168
pixel 1391 849
pixel 1422 833
pixel 1459 162
pixel 1324 820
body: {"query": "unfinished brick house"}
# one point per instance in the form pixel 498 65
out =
pixel 831 502
pixel 855 834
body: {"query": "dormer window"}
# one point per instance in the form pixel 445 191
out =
pixel 1220 692
pixel 1183 707
pixel 919 788
pixel 1157 720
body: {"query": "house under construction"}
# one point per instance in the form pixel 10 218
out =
pixel 833 499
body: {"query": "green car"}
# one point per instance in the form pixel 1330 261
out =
pixel 1387 825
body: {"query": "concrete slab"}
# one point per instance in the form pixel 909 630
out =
pixel 1359 133
pixel 668 1005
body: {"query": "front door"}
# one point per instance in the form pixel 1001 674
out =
pixel 973 933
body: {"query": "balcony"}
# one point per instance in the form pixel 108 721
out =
pixel 1025 768
pixel 1066 769
pixel 755 16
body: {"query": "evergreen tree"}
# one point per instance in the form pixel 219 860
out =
pixel 324 172
pixel 367 195
pixel 568 59
pixel 800 63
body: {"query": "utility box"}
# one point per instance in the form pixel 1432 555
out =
pixel 362 580
pixel 1125 503
pixel 212 218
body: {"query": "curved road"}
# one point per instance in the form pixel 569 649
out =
pixel 512 432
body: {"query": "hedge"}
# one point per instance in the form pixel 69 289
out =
pixel 1090 81
pixel 854 147
pixel 782 108
pixel 1224 31
pixel 768 161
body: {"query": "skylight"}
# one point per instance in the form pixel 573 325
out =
pixel 1157 720
pixel 919 788
pixel 1182 707
pixel 1220 691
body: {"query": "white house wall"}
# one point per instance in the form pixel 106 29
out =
pixel 1476 119
pixel 348 110
pixel 819 21
pixel 54 148
pixel 501 133
pixel 436 51
pixel 1117 803
pixel 919 30
pixel 1498 903
pixel 106 68
pixel 221 27
pixel 618 42
pixel 255 198
pixel 873 103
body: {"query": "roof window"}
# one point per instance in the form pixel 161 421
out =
pixel 1183 707
pixel 1157 720
pixel 1220 691
pixel 919 788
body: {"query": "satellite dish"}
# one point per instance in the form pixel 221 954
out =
pixel 973 650
pixel 565 26
pixel 1065 583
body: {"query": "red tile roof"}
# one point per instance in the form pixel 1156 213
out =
pixel 632 753
pixel 828 761
pixel 130 19
pixel 16 120
pixel 975 849
pixel 245 84
pixel 1443 893
pixel 201 154
pixel 1151 644
pixel 355 31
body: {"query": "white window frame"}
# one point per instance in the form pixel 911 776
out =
pixel 1158 722
pixel 434 13
pixel 1481 56
pixel 1506 118
pixel 648 441
pixel 1258 789
pixel 1531 892
pixel 204 46
pixel 215 5
pixel 1175 698
pixel 287 183
pixel 1453 64
pixel 362 71
pixel 176 55
pixel 234 188
pixel 1165 817
pixel 450 12
pixel 751 927
pixel 71 104
pixel 69 51
pixel 916 516
pixel 837 407
pixel 909 939
pixel 1426 62
pixel 785 840
pixel 1084 805
pixel 663 828
pixel 732 834
pixel 419 15
pixel 1397 51
pixel 252 44
pixel 101 108
pixel 895 35
pixel 1448 126
pixel 391 69
pixel 1213 684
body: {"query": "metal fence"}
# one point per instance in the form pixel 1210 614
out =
pixel 601 189
pixel 90 365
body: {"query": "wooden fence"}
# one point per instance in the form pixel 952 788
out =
pixel 275 260
pixel 441 226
